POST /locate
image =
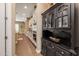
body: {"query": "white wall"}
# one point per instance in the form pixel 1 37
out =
pixel 41 7
pixel 2 29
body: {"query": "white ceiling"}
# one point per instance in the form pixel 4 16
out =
pixel 22 13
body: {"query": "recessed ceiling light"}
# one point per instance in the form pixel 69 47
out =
pixel 25 7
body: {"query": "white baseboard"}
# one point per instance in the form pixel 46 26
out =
pixel 31 38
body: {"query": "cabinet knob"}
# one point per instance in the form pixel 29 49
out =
pixel 52 46
pixel 62 52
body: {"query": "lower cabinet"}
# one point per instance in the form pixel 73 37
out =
pixel 62 52
pixel 44 49
pixel 51 49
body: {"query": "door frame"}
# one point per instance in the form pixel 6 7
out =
pixel 10 29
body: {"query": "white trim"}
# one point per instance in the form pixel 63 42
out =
pixel 31 38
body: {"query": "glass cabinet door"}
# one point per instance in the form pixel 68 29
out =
pixel 53 21
pixel 59 19
pixel 66 17
pixel 49 20
pixel 65 21
pixel 44 22
pixel 63 16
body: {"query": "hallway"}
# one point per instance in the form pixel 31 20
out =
pixel 24 47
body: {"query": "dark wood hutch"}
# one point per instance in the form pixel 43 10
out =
pixel 61 30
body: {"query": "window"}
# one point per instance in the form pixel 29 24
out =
pixel 17 28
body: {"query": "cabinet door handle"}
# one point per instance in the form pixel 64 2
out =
pixel 62 52
pixel 52 46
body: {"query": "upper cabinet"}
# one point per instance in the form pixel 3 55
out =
pixel 58 17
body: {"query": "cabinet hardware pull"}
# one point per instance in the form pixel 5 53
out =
pixel 62 52
pixel 52 46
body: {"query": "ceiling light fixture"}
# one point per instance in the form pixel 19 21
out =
pixel 25 7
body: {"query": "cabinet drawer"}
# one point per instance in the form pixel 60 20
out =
pixel 50 51
pixel 43 47
pixel 58 54
pixel 62 52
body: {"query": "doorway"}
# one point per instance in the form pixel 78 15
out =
pixel 25 41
